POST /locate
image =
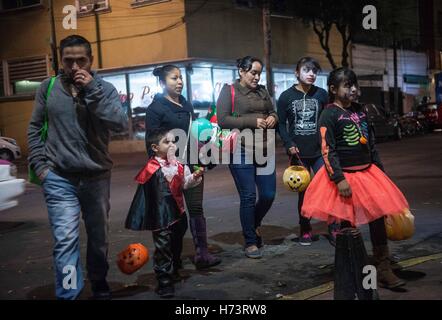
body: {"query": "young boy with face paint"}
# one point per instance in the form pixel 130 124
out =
pixel 300 107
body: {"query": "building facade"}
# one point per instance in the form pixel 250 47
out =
pixel 131 37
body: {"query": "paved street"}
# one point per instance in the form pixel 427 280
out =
pixel 415 164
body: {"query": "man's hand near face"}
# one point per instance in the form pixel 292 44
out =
pixel 82 78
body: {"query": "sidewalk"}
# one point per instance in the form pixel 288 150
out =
pixel 26 265
pixel 423 282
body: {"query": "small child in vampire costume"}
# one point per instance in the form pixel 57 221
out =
pixel 352 188
pixel 158 206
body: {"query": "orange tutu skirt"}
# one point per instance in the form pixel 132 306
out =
pixel 374 195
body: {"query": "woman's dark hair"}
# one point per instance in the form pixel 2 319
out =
pixel 162 72
pixel 247 62
pixel 308 62
pixel 75 40
pixel 338 76
pixel 154 136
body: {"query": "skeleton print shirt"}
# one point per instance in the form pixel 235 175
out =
pixel 347 140
pixel 301 113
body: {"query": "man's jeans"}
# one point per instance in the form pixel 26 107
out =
pixel 251 211
pixel 65 199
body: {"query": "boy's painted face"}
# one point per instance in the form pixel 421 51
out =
pixel 346 92
pixel 165 147
pixel 307 75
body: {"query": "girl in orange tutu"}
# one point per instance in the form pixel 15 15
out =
pixel 352 188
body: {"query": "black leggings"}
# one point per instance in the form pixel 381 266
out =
pixel 378 234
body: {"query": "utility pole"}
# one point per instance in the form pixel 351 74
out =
pixel 53 39
pixel 395 71
pixel 268 47
pixel 98 35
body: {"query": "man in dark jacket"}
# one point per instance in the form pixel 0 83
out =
pixel 74 165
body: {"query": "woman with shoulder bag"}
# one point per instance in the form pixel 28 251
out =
pixel 253 109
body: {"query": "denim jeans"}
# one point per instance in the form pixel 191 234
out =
pixel 65 200
pixel 247 183
pixel 312 164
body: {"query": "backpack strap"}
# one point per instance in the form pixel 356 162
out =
pixel 44 129
pixel 50 86
pixel 48 93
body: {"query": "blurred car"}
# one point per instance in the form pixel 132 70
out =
pixel 385 124
pixel 10 186
pixel 9 149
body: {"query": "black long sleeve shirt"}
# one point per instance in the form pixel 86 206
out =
pixel 302 112
pixel 341 145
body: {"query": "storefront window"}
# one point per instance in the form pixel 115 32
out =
pixel 206 84
pixel 143 87
pixel 283 81
pixel 202 90
pixel 321 81
pixel 220 78
pixel 119 82
pixel 263 80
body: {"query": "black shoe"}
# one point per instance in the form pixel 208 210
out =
pixel 100 290
pixel 165 291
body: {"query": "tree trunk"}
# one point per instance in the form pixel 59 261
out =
pixel 346 38
pixel 323 33
pixel 268 47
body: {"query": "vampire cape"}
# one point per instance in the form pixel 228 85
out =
pixel 157 203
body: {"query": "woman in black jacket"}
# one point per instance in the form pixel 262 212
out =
pixel 172 111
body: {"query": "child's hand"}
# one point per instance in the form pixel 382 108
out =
pixel 293 151
pixel 199 172
pixel 344 189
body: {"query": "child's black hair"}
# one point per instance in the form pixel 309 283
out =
pixel 246 63
pixel 154 137
pixel 162 72
pixel 308 62
pixel 337 77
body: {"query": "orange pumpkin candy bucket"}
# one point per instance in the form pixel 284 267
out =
pixel 132 258
pixel 400 227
